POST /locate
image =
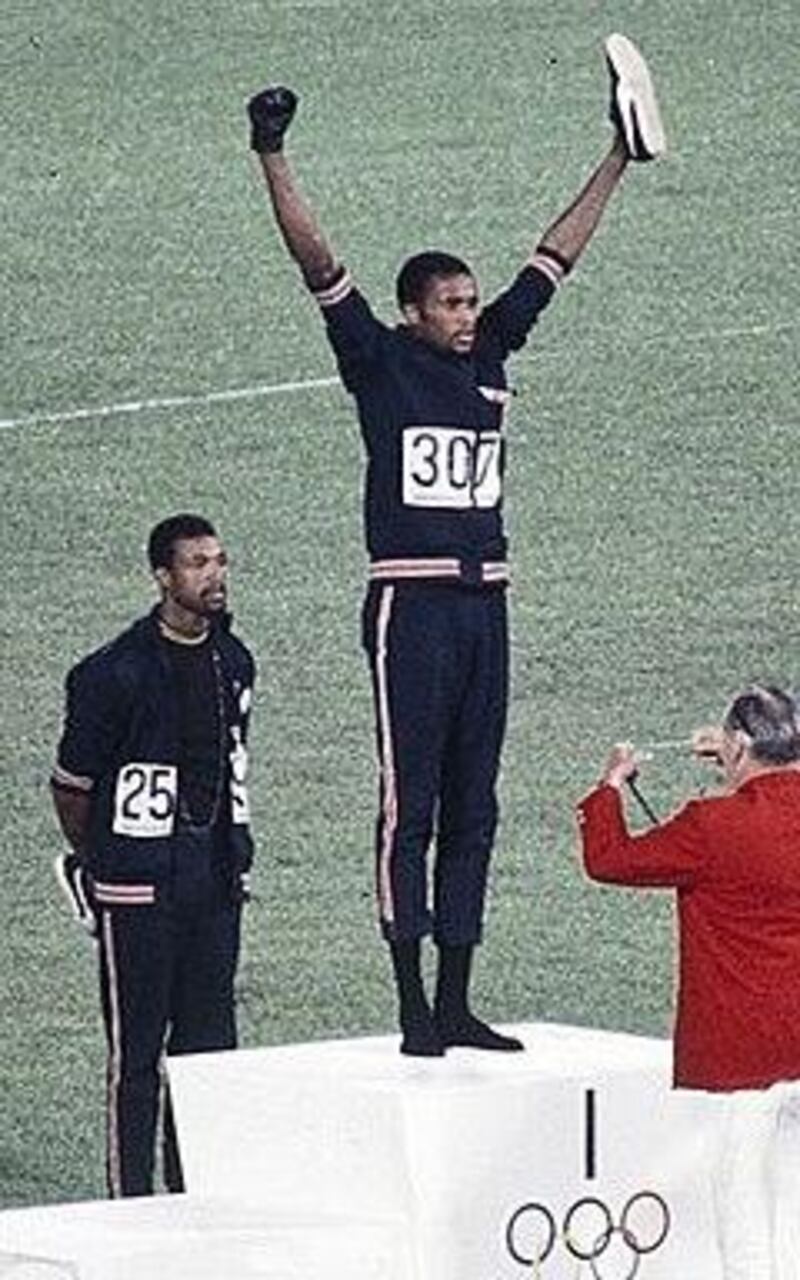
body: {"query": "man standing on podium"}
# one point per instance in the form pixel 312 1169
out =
pixel 431 396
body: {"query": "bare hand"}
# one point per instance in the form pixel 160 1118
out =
pixel 622 763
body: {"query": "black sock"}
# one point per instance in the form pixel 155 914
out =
pixel 457 1024
pixel 421 1036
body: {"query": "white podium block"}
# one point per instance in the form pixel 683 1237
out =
pixel 25 1266
pixel 188 1238
pixel 458 1147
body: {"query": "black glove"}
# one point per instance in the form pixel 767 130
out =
pixel 270 115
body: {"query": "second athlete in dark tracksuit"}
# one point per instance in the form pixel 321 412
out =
pixel 155 732
pixel 435 614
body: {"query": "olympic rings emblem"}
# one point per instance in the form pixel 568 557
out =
pixel 589 1231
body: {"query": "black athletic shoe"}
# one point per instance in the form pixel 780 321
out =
pixel 634 108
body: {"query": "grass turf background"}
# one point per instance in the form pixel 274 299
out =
pixel 651 497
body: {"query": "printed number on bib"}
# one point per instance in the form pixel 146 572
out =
pixel 145 800
pixel 451 467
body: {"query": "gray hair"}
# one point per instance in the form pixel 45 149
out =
pixel 769 719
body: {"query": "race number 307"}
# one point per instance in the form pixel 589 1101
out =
pixel 145 799
pixel 451 467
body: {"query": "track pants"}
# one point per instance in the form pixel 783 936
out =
pixel 439 660
pixel 757 1184
pixel 166 984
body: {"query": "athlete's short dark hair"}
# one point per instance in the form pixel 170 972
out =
pixel 161 543
pixel 769 717
pixel 415 275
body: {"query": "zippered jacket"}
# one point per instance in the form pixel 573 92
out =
pixel 120 745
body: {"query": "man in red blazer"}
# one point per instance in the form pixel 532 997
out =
pixel 734 859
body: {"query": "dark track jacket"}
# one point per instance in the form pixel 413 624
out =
pixel 120 745
pixel 432 423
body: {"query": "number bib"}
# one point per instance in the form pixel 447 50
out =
pixel 451 467
pixel 145 800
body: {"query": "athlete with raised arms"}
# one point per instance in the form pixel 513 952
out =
pixel 431 396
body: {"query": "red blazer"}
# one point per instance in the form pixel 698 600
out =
pixel 735 862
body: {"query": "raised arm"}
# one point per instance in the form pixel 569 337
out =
pixel 271 112
pixel 569 235
pixel 639 136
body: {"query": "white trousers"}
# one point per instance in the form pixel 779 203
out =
pixel 756 1184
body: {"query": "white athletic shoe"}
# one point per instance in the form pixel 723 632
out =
pixel 72 881
pixel 634 108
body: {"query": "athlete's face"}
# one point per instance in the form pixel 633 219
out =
pixel 196 581
pixel 448 314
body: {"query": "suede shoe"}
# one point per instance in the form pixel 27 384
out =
pixel 634 107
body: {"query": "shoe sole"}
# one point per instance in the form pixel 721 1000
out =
pixel 636 99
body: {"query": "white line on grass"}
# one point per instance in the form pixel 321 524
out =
pixel 166 402
pixel 262 389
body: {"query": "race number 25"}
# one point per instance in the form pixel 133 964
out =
pixel 451 467
pixel 145 799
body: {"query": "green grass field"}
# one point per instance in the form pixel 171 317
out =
pixel 652 497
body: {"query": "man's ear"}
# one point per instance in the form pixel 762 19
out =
pixel 411 313
pixel 162 577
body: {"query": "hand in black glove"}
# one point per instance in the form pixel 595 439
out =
pixel 270 114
